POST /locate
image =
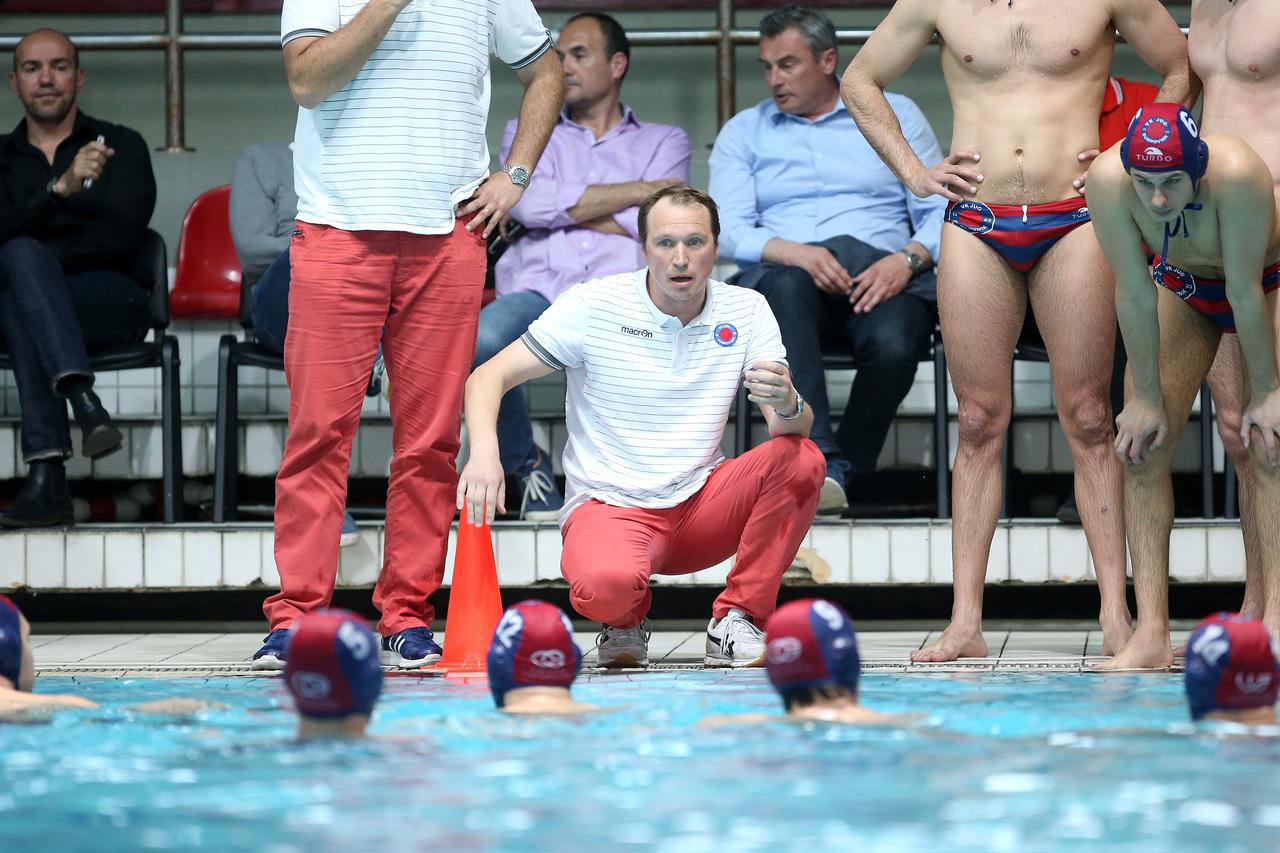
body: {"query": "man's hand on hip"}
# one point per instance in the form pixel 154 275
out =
pixel 880 282
pixel 1086 159
pixel 482 487
pixel 949 179
pixel 491 201
pixel 768 383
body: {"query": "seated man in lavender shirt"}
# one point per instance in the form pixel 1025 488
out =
pixel 580 210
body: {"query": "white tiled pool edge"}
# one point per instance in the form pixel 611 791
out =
pixel 240 556
pixel 1022 649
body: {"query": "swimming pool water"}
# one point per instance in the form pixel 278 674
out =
pixel 996 762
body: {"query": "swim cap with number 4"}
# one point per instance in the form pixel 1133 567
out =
pixel 811 643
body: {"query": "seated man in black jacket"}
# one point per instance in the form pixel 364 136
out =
pixel 76 195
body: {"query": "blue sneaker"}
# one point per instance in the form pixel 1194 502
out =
pixel 411 648
pixel 274 651
pixel 350 533
pixel 541 500
pixel 832 499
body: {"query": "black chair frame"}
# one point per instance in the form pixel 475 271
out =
pixel 941 435
pixel 162 352
pixel 233 354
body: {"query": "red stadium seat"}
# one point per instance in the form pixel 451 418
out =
pixel 207 282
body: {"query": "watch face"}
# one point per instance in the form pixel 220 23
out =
pixel 518 175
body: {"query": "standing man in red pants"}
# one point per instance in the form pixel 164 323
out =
pixel 395 201
pixel 654 359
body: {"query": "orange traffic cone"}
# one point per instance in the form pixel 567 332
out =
pixel 475 606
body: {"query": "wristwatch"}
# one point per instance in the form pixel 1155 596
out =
pixel 518 174
pixel 914 261
pixel 52 189
pixel 799 409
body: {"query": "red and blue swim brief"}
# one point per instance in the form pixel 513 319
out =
pixel 1021 233
pixel 1207 295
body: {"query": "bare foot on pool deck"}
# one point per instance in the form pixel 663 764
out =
pixel 956 642
pixel 1143 652
pixel 1116 633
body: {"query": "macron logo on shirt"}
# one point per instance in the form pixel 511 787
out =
pixel 639 333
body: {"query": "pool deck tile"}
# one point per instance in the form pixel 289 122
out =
pixel 213 654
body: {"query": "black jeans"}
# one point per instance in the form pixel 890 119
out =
pixel 886 343
pixel 49 322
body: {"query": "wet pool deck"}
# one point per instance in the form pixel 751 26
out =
pixel 1029 647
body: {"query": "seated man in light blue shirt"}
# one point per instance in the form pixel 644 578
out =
pixel 837 244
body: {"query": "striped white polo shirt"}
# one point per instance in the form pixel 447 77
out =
pixel 401 144
pixel 647 398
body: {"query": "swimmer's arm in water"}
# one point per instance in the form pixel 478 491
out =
pixel 1114 206
pixel 722 720
pixel 1148 26
pixel 174 707
pixel 16 706
pixel 1246 220
pixel 858 716
pixel 573 710
pixel 896 43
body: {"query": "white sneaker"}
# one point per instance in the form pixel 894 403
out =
pixel 734 641
pixel 832 499
pixel 623 647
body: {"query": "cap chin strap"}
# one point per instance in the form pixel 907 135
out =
pixel 1171 227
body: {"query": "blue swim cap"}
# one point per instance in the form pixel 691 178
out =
pixel 1165 138
pixel 1231 664
pixel 10 641
pixel 332 668
pixel 532 647
pixel 811 643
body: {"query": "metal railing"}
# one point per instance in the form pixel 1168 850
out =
pixel 175 42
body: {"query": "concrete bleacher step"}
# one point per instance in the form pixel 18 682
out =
pixel 239 556
pixel 1039 446
pixel 134 397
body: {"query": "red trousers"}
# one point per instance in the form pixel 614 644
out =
pixel 421 296
pixel 758 506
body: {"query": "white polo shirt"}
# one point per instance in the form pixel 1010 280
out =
pixel 647 398
pixel 399 146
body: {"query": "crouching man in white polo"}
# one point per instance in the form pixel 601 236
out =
pixel 654 359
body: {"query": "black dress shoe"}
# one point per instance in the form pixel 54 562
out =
pixel 43 501
pixel 99 436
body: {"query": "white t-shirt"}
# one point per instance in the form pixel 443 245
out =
pixel 648 399
pixel 401 144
